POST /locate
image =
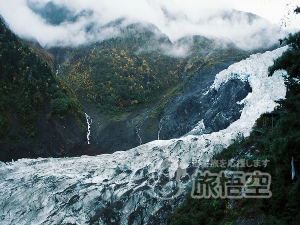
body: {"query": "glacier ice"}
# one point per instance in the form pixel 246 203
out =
pixel 130 187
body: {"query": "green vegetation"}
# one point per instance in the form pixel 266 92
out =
pixel 26 82
pixel 290 60
pixel 160 106
pixel 120 74
pixel 205 53
pixel 278 144
pixel 129 71
pixel 41 52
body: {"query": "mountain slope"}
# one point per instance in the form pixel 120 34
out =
pixel 135 67
pixel 204 53
pixel 123 72
pixel 134 77
pixel 55 14
pixel 34 104
pixel 41 52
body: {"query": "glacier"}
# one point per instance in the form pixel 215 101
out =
pixel 138 186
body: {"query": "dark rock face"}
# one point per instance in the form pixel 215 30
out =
pixel 217 109
pixel 110 135
pixel 54 138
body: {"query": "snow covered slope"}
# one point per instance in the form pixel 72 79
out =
pixel 138 186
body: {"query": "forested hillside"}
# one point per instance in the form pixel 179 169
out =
pixel 204 53
pixel 27 85
pixel 41 52
pixel 120 73
pixel 126 72
pixel 275 138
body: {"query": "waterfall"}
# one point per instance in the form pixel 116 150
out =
pixel 293 168
pixel 57 71
pixel 89 123
pixel 137 129
pixel 159 127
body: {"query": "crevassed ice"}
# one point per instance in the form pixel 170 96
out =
pixel 81 189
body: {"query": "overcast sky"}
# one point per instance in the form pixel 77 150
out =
pixel 185 17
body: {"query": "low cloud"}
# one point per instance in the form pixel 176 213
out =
pixel 87 21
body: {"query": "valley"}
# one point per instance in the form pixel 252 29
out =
pixel 123 187
pixel 109 114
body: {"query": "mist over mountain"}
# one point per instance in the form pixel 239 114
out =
pixel 56 14
pixel 73 23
